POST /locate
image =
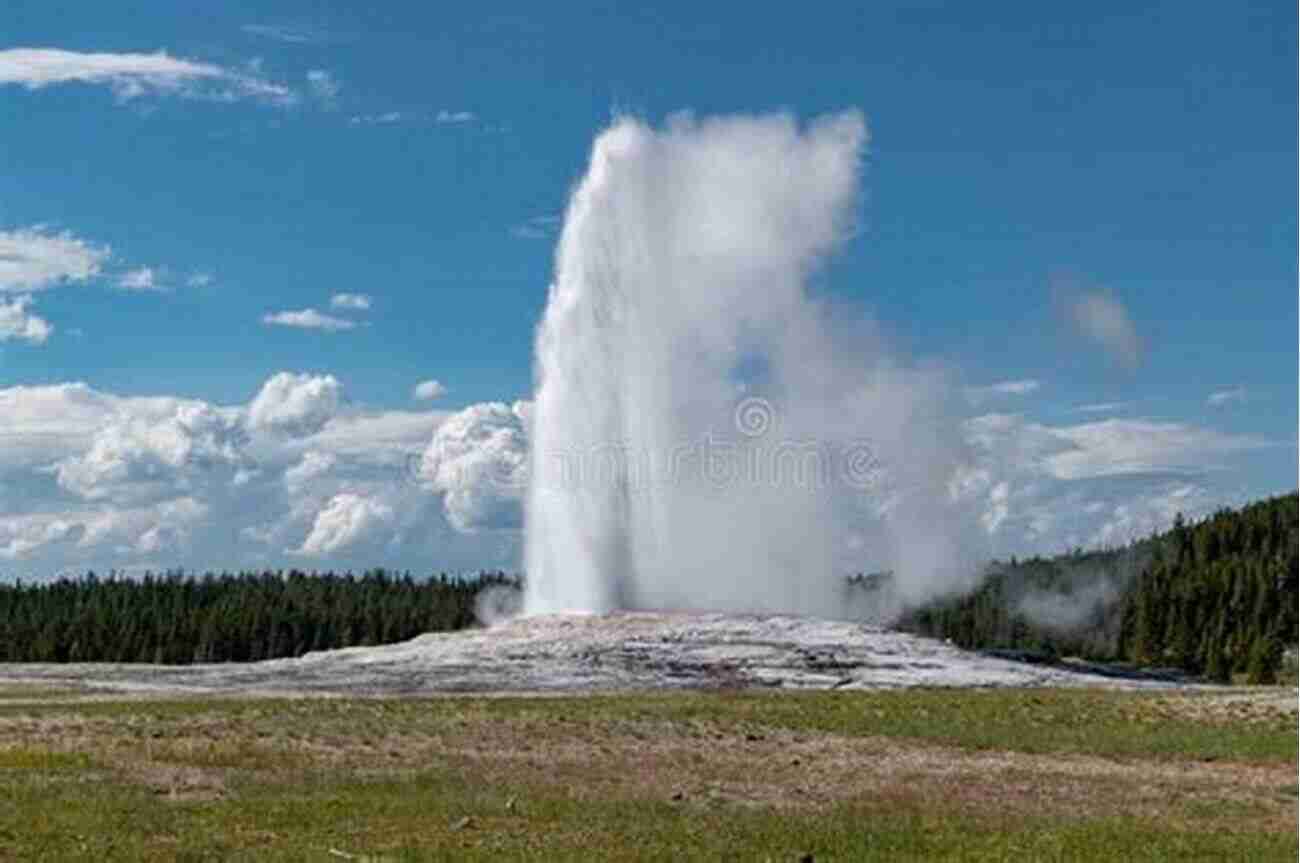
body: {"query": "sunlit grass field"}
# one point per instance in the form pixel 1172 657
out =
pixel 918 774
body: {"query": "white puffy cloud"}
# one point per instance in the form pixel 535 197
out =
pixel 45 423
pixel 36 258
pixel 313 464
pixel 347 520
pixel 27 534
pixel 16 322
pixel 307 319
pixel 296 404
pixel 427 391
pixel 355 302
pixel 131 75
pixel 1101 317
pixel 89 479
pixel 149 456
pixel 1050 487
pixel 478 461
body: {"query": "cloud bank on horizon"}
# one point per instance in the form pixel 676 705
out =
pixel 297 476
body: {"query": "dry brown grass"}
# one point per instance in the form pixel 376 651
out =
pixel 692 762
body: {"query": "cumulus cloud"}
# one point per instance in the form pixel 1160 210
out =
pixel 295 404
pixel 1225 398
pixel 427 391
pixel 307 319
pixel 37 258
pixel 140 279
pixel 43 424
pixel 89 479
pixel 142 456
pixel 347 520
pixel 1050 487
pixel 27 534
pixel 131 75
pixel 1101 317
pixel 355 302
pixel 92 479
pixel 478 461
pixel 313 464
pixel 17 323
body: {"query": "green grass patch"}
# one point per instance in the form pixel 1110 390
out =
pixel 1099 722
pixel 429 779
pixel 444 815
pixel 33 758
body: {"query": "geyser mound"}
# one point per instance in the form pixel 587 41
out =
pixel 706 433
pixel 591 653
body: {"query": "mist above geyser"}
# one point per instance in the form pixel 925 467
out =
pixel 707 433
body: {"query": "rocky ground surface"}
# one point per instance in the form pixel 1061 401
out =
pixel 622 651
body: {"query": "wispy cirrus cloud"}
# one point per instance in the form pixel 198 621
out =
pixel 1023 387
pixel 131 75
pixel 293 34
pixel 354 302
pixel 443 117
pixel 537 228
pixel 385 119
pixel 308 319
pixel 446 117
pixel 1101 407
pixel 1228 397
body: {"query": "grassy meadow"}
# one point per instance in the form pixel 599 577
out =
pixel 890 775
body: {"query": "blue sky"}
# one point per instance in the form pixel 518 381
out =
pixel 1020 163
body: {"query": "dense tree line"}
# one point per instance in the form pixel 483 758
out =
pixel 1215 598
pixel 180 619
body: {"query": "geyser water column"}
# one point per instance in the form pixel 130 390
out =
pixel 692 401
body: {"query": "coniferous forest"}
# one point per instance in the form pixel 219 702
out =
pixel 1217 598
pixel 177 619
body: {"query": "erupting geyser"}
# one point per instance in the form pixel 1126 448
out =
pixel 706 434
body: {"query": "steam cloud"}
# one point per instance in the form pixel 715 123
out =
pixel 705 433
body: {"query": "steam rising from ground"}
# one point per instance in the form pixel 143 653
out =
pixel 706 434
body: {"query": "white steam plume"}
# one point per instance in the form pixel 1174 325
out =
pixel 705 434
